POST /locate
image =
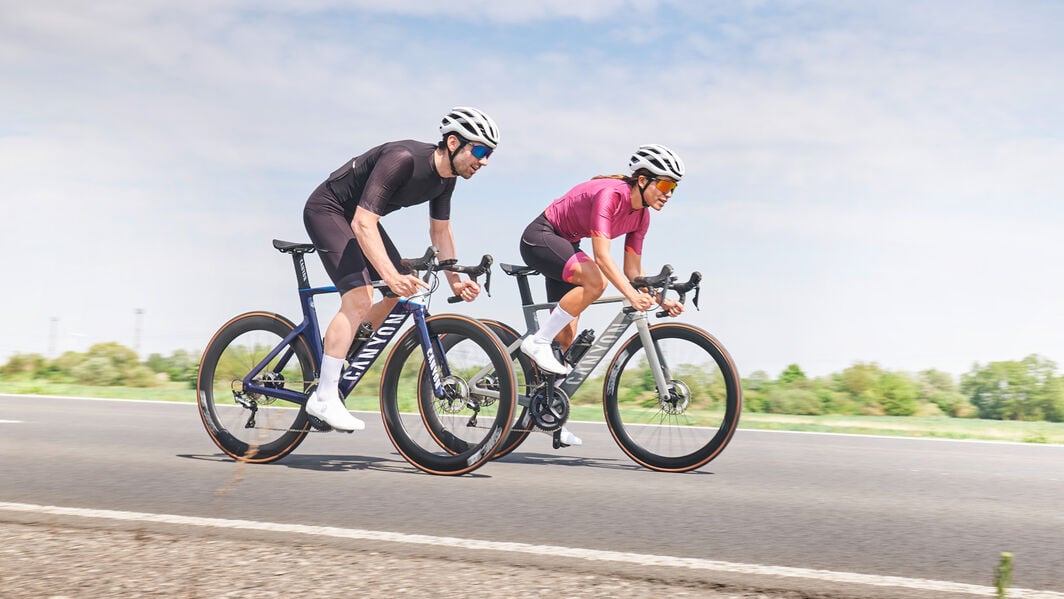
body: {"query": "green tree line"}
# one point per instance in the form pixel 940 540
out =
pixel 1027 389
pixel 106 365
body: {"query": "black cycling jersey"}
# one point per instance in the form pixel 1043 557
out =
pixel 384 179
pixel 393 176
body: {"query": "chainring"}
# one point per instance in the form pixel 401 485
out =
pixel 549 411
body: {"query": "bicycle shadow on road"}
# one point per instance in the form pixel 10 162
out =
pixel 554 459
pixel 327 463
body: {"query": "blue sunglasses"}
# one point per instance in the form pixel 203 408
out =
pixel 480 152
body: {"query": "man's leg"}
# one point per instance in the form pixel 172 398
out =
pixel 325 402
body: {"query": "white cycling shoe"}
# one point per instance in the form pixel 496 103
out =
pixel 542 354
pixel 566 437
pixel 333 412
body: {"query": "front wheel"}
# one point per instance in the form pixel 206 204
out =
pixel 247 425
pixel 695 418
pixel 527 378
pixel 448 407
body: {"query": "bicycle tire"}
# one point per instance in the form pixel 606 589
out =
pixel 445 435
pixel 273 428
pixel 697 423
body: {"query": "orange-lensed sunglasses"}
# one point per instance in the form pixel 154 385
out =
pixel 664 186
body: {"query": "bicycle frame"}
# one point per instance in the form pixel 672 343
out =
pixel 374 346
pixel 367 354
pixel 602 344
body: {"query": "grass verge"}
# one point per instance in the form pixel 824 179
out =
pixel 940 427
pixel 930 427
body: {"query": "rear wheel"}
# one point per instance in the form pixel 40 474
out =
pixel 246 425
pixel 699 412
pixel 527 379
pixel 447 410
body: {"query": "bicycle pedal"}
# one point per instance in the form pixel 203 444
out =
pixel 318 424
pixel 558 440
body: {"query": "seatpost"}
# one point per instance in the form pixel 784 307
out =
pixel 301 270
pixel 524 290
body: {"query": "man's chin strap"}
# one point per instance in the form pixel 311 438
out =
pixel 451 155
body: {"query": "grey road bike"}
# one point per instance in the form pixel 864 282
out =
pixel 671 394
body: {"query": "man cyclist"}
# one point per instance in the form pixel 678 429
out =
pixel 603 208
pixel 342 217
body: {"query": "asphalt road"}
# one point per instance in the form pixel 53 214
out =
pixel 772 512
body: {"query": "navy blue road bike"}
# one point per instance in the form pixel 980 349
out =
pixel 446 406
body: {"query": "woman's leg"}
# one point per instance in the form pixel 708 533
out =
pixel 589 285
pixel 543 249
pixel 573 280
pixel 571 283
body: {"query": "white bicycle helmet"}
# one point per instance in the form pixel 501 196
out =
pixel 659 160
pixel 471 125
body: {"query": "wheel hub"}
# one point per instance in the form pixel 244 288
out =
pixel 679 398
pixel 455 395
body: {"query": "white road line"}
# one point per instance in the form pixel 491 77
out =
pixel 554 551
pixel 10 422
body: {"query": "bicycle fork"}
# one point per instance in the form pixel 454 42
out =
pixel 658 368
pixel 445 387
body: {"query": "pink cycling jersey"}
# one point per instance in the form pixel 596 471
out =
pixel 600 208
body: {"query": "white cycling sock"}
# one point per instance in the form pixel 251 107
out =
pixel 329 380
pixel 556 321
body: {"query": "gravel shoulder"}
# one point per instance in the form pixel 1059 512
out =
pixel 57 560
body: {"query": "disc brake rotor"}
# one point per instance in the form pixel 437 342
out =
pixel 679 398
pixel 455 395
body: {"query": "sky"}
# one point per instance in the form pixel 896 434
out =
pixel 871 181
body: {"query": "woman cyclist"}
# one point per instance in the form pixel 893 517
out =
pixel 342 217
pixel 603 208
